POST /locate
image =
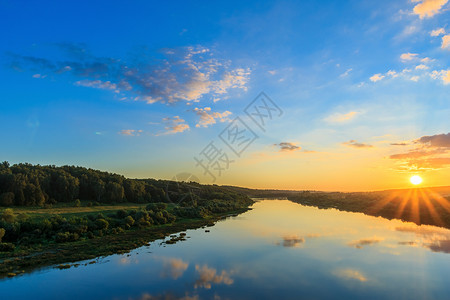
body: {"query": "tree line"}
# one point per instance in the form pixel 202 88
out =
pixel 34 185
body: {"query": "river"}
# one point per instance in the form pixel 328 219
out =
pixel 277 250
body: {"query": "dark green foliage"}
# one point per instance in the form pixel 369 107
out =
pixel 7 247
pixel 7 199
pixel 35 185
pixel 8 215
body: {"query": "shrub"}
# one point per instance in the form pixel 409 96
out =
pixel 77 203
pixel 121 214
pixel 129 221
pixel 156 206
pixel 66 237
pixel 2 233
pixel 8 215
pixel 102 224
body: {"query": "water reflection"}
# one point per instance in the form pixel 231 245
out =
pixel 173 267
pixel 292 241
pixel 208 275
pixel 359 244
pixel 434 238
pixel 278 250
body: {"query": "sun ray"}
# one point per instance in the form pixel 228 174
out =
pixel 402 205
pixel 433 213
pixel 380 205
pixel 415 212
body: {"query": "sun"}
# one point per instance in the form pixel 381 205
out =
pixel 416 179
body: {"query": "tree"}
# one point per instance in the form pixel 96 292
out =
pixel 7 199
pixel 114 192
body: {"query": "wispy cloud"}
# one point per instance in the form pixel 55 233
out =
pixel 429 153
pixel 408 56
pixel 428 8
pixel 130 132
pixel 437 32
pixel 174 125
pixel 341 117
pixel 287 146
pixel 355 144
pixel 377 77
pixel 207 117
pixel 183 74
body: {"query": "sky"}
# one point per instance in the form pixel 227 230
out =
pixel 317 95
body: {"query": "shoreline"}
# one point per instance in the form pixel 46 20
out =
pixel 66 253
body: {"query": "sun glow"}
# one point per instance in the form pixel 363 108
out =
pixel 416 179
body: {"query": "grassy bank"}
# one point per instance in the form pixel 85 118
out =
pixel 29 258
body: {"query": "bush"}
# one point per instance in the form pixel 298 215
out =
pixel 77 203
pixel 129 221
pixel 156 206
pixel 102 224
pixel 7 199
pixel 66 237
pixel 8 215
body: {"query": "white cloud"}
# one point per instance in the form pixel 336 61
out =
pixel 341 118
pixel 39 76
pixel 422 67
pixel 415 78
pixel 392 73
pixel 98 84
pixel 443 75
pixel 428 8
pixel 345 74
pixel 446 77
pixel 376 77
pixel 408 56
pixel 130 132
pixel 437 32
pixel 175 125
pixel 446 42
pixel 426 60
pixel 207 117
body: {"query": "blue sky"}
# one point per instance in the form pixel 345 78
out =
pixel 142 87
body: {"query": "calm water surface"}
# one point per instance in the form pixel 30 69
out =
pixel 278 250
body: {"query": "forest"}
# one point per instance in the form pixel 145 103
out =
pixel 41 206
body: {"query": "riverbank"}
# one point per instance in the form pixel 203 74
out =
pixel 40 256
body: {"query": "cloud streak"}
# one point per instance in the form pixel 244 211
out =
pixel 355 144
pixel 187 74
pixel 287 146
